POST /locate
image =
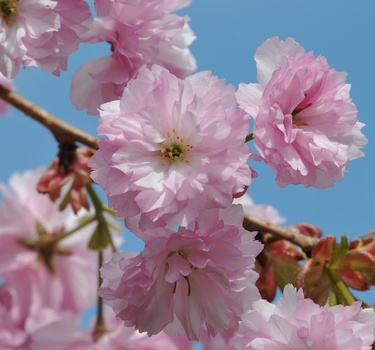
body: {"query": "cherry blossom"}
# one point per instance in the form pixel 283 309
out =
pixel 66 271
pixel 27 323
pixel 23 312
pixel 173 148
pixel 305 124
pixel 141 33
pixel 41 33
pixel 264 211
pixel 60 333
pixel 15 307
pixel 186 281
pixel 295 323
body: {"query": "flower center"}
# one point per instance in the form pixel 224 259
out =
pixel 184 255
pixel 8 9
pixel 46 245
pixel 297 120
pixel 176 149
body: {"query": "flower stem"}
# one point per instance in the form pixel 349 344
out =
pixel 85 221
pixel 109 210
pixel 336 280
pixel 332 299
pixel 62 131
pixel 54 239
pixel 102 222
pixel 100 327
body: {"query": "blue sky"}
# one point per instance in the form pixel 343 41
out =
pixel 228 32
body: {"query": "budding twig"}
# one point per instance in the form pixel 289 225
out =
pixel 62 131
pixel 253 223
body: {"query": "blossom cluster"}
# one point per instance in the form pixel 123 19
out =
pixel 37 271
pixel 172 156
pixel 40 33
pixel 140 33
pixel 174 164
pixel 48 276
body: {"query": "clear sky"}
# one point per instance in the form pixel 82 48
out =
pixel 228 32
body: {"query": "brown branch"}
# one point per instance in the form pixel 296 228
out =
pixel 253 223
pixel 62 131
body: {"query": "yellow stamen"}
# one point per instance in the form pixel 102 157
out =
pixel 297 121
pixel 8 9
pixel 175 149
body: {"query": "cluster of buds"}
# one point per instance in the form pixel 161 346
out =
pixel 70 165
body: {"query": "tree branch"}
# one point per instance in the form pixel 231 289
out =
pixel 253 223
pixel 62 131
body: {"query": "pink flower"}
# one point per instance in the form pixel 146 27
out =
pixel 65 272
pixel 305 125
pixel 128 338
pixel 183 282
pixel 40 33
pixel 295 323
pixel 173 148
pixel 141 33
pixel 263 211
pixel 15 307
pixel 23 313
pixel 7 83
pixel 61 333
pixel 218 342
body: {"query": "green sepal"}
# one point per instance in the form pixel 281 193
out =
pixel 339 251
pixel 101 237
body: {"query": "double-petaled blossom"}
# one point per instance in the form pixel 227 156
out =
pixel 41 33
pixel 264 211
pixel 24 318
pixel 173 147
pixel 305 124
pixel 32 234
pixel 199 278
pixel 15 308
pixel 141 33
pixel 60 333
pixel 295 323
pixel 26 323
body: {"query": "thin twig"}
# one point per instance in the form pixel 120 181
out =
pixel 62 131
pixel 100 328
pixel 253 223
